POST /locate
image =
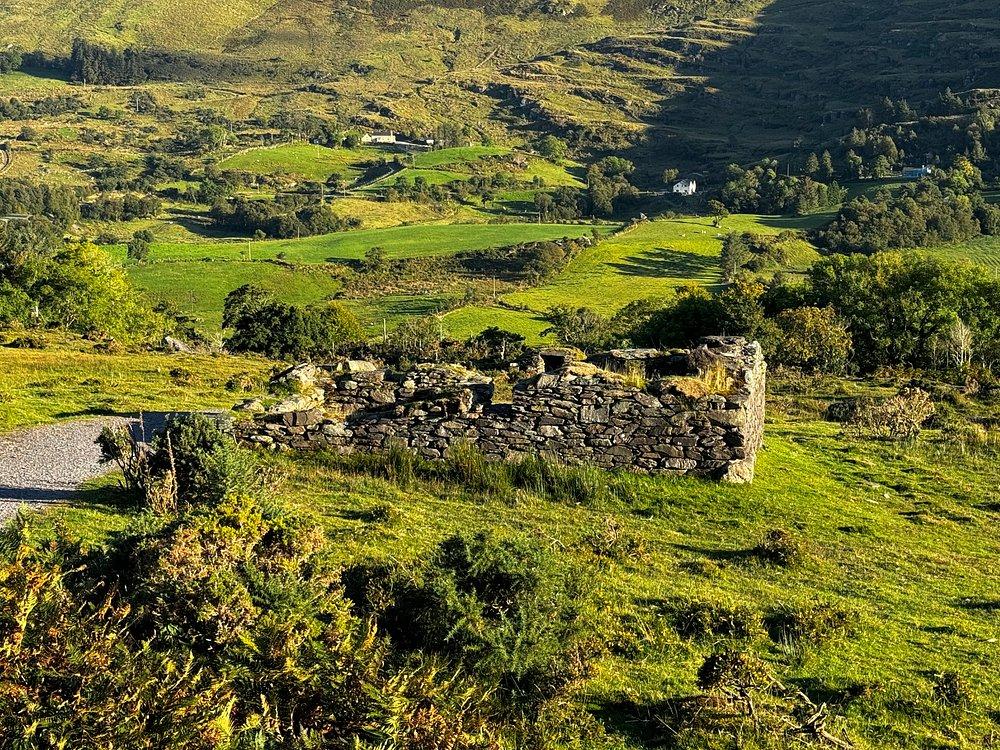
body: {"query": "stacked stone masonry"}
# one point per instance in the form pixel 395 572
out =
pixel 697 412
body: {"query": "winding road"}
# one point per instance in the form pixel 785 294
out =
pixel 46 465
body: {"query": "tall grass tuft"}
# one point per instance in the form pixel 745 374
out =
pixel 466 466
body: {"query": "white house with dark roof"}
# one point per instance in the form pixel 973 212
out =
pixel 686 187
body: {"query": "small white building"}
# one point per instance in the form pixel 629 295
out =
pixel 379 138
pixel 686 187
pixel 917 173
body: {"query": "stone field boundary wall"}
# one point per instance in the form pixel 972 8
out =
pixel 698 411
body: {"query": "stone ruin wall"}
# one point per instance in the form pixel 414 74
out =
pixel 700 411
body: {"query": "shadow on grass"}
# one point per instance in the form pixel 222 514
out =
pixel 796 223
pixel 93 411
pixel 720 555
pixel 198 224
pixel 979 605
pixel 666 263
pixel 107 497
pixel 650 725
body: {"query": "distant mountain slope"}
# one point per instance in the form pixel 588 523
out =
pixel 737 89
pixel 332 32
pixel 679 83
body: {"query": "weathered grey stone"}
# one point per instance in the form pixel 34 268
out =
pixel 579 413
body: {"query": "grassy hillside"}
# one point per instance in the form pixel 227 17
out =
pixel 196 277
pixel 696 83
pixel 897 543
pixel 72 379
pixel 398 242
pixel 199 288
pixel 647 261
pixel 305 159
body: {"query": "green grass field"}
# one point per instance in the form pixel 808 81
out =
pixel 398 242
pixel 984 251
pixel 199 288
pixel 305 159
pixel 71 380
pixel 460 155
pixel 647 261
pixel 196 277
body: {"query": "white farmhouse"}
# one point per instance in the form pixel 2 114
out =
pixel 379 137
pixel 686 187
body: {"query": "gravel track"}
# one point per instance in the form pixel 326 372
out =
pixel 46 465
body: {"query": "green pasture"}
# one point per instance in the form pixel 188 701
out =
pixel 308 160
pixel 71 379
pixel 900 539
pixel 646 261
pixel 398 242
pixel 199 288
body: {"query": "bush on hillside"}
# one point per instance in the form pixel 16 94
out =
pixel 504 607
pixel 899 417
pixel 262 325
pixel 812 339
pixel 192 462
pixel 45 283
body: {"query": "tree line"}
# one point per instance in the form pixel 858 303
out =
pixel 852 312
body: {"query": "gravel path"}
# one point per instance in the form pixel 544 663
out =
pixel 45 465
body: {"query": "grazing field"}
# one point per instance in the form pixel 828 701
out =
pixel 983 251
pixel 468 321
pixel 305 159
pixel 70 379
pixel 398 242
pixel 432 176
pixel 199 288
pixel 647 261
pixel 460 155
pixel 384 313
pixel 196 277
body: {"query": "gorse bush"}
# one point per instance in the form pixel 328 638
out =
pixel 70 674
pixel 225 625
pixel 810 623
pixel 779 547
pixel 193 461
pixel 699 619
pixel 504 607
pixel 217 620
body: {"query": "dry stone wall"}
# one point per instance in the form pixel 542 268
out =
pixel 698 411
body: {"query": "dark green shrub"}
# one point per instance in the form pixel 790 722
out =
pixel 204 460
pixel 814 622
pixel 192 461
pixel 382 513
pixel 779 547
pixel 263 325
pixel 700 619
pixel 503 608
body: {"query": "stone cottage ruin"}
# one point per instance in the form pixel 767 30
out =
pixel 696 411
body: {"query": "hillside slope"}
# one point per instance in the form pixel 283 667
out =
pixel 707 81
